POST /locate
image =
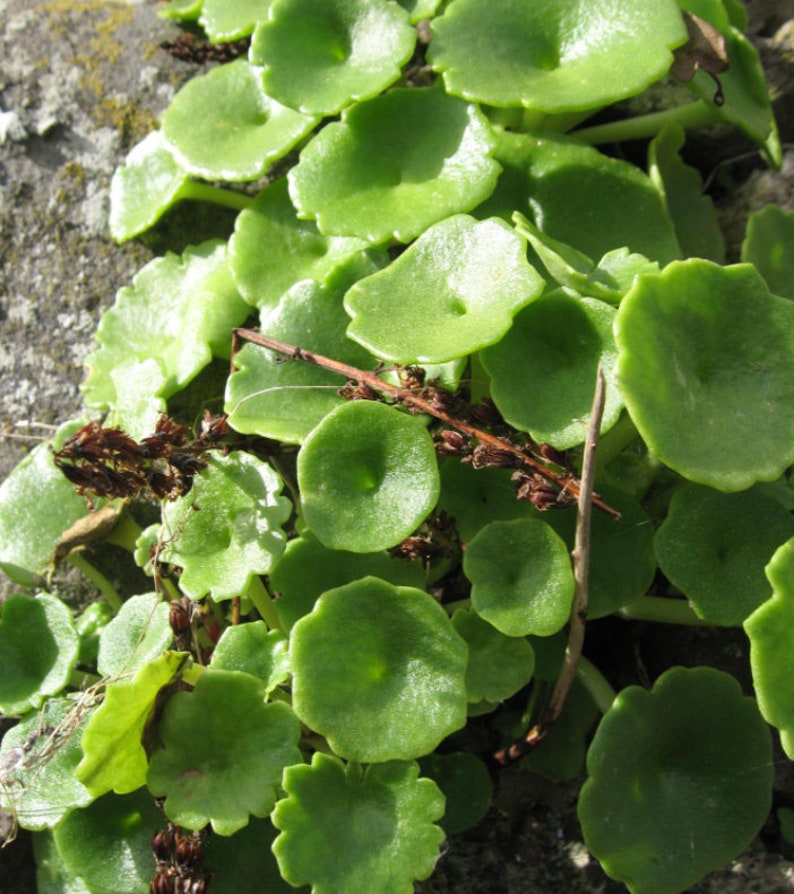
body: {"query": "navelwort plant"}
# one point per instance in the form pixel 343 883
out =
pixel 431 266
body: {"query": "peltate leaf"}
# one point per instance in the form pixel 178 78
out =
pixel 37 505
pixel 144 187
pixel 320 55
pixel 379 671
pixel 296 250
pixel 680 780
pixel 368 477
pixel 706 367
pixel 555 55
pixel 228 527
pixel 225 20
pixel 464 279
pixel 38 757
pixel 223 752
pixel 307 569
pixel 594 203
pixel 465 783
pixel 521 577
pixel 177 313
pixel 693 214
pixel 394 165
pixel 38 650
pixel 498 665
pixel 138 634
pixel 286 401
pixel 543 372
pixel 771 632
pixel 255 650
pixel 714 548
pixel 222 126
pixel 108 844
pixel 345 829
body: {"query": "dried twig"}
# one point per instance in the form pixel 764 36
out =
pixel 566 483
pixel 581 568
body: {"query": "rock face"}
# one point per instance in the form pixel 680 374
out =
pixel 80 84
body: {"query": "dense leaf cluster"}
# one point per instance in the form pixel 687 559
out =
pixel 438 262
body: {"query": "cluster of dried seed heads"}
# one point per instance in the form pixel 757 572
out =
pixel 180 863
pixel 107 462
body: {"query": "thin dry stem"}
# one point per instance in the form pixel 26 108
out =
pixel 581 569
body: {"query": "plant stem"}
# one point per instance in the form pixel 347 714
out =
pixel 97 579
pixel 694 114
pixel 596 684
pixel 205 192
pixel 581 573
pixel 663 611
pixel 263 603
pixel 125 533
pixel 565 482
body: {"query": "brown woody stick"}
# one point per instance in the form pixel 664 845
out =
pixel 581 568
pixel 404 396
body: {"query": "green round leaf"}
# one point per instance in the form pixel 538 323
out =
pixel 521 577
pixel 464 279
pixel 554 55
pixel 543 372
pixel 39 647
pixel 319 55
pixel 232 19
pixel 109 843
pixel 221 126
pixel 37 505
pixel 223 752
pixel 680 780
pixel 622 558
pixel 296 250
pixel 285 401
pixel 227 528
pixel 345 829
pixel 255 650
pixel 178 313
pixel 52 876
pixel 466 785
pixel 379 671
pixel 706 367
pixel 769 244
pixel 475 497
pixel 595 203
pixel 139 633
pixel 38 758
pixel 144 187
pixel 498 665
pixel 368 477
pixel 307 569
pixel 394 165
pixel 714 548
pixel 771 632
